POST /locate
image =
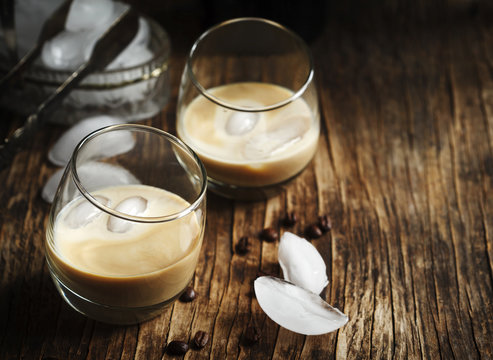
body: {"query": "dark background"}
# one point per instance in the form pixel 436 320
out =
pixel 185 20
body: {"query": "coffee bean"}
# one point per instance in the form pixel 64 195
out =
pixel 201 339
pixel 251 335
pixel 290 219
pixel 188 295
pixel 324 223
pixel 313 231
pixel 177 347
pixel 242 245
pixel 269 234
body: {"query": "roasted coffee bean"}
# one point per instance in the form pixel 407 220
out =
pixel 188 295
pixel 313 231
pixel 290 219
pixel 251 335
pixel 324 223
pixel 242 245
pixel 269 234
pixel 177 347
pixel 200 339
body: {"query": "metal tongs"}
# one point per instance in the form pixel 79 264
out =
pixel 109 45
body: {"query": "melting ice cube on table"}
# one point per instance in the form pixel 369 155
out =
pixel 85 212
pixel 295 308
pixel 93 176
pixel 294 304
pixel 96 175
pixel 117 143
pixel 301 263
pixel 49 190
pixel 135 206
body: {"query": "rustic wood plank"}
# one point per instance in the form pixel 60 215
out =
pixel 404 169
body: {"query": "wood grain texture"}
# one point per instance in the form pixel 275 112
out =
pixel 404 169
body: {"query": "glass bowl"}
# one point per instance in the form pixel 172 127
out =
pixel 132 93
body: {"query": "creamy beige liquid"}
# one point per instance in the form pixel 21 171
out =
pixel 146 264
pixel 279 144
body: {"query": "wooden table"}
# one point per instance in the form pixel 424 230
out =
pixel 404 169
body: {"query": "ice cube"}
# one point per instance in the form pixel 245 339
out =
pixel 276 140
pixel 137 52
pixel 241 122
pixel 143 36
pixel 61 152
pixel 135 205
pixel 68 50
pixel 301 263
pixel 118 9
pixel 258 147
pixel 295 308
pixel 131 56
pixel 49 190
pixel 87 20
pixel 85 212
pixel 88 14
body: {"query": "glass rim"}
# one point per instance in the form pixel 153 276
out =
pixel 219 101
pixel 140 219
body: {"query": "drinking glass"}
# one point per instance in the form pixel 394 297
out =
pixel 126 225
pixel 248 106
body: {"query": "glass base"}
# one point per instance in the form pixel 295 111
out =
pixel 110 314
pixel 244 193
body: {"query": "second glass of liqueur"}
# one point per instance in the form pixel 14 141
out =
pixel 248 106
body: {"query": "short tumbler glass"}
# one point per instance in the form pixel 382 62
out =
pixel 127 222
pixel 248 106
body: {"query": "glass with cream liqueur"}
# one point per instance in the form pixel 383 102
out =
pixel 248 107
pixel 126 226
